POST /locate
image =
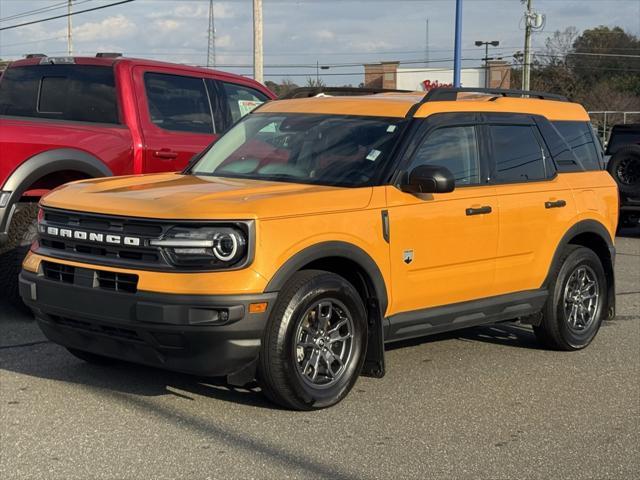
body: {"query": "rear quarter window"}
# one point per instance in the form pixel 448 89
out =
pixel 579 137
pixel 84 93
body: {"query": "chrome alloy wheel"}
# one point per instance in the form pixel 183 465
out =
pixel 581 298
pixel 324 343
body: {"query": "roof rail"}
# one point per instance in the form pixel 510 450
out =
pixel 108 54
pixel 307 92
pixel 451 94
pixel 35 55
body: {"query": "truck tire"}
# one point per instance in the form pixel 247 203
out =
pixel 314 344
pixel 624 167
pixel 22 232
pixel 575 307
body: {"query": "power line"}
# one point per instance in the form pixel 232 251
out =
pixel 66 15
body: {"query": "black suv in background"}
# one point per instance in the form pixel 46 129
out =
pixel 623 149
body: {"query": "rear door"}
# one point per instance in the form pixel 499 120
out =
pixel 535 203
pixel 176 117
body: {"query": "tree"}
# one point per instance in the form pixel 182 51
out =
pixel 282 88
pixel 597 55
pixel 599 68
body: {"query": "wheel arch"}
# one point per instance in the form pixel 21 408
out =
pixel 45 164
pixel 357 267
pixel 594 236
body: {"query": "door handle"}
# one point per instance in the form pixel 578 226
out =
pixel 165 153
pixel 555 204
pixel 479 210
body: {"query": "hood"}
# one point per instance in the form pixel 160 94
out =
pixel 176 196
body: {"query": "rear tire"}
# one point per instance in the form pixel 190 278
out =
pixel 92 358
pixel 22 232
pixel 314 344
pixel 575 307
pixel 624 167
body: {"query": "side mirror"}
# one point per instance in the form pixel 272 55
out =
pixel 429 179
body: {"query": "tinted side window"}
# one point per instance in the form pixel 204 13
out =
pixel 241 100
pixel 178 103
pixel 517 154
pixel 580 139
pixel 83 93
pixel 455 148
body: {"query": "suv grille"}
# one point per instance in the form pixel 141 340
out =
pixel 115 281
pixel 93 227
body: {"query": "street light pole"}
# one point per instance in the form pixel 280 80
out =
pixel 457 53
pixel 493 43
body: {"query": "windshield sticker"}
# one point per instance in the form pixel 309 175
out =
pixel 245 106
pixel 391 128
pixel 373 154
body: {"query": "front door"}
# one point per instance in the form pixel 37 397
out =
pixel 443 246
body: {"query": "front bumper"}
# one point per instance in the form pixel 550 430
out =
pixel 186 333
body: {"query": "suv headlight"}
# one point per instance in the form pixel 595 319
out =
pixel 203 247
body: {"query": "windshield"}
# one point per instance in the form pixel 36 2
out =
pixel 303 148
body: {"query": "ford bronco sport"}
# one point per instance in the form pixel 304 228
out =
pixel 70 118
pixel 318 229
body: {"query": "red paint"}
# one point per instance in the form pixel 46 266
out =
pixel 128 148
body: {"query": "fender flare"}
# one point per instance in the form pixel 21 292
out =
pixel 345 250
pixel 43 164
pixel 597 228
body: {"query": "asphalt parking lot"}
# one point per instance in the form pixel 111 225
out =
pixel 484 403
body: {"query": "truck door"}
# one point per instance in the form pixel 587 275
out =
pixel 176 116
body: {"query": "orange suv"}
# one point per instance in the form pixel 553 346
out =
pixel 316 230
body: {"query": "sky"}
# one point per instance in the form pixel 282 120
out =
pixel 300 34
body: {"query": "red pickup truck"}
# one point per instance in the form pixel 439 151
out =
pixel 69 118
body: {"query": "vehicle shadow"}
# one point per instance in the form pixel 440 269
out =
pixel 508 334
pixel 49 361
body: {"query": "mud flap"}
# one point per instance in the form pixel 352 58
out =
pixel 374 358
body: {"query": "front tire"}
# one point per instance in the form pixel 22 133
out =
pixel 576 305
pixel 314 344
pixel 22 232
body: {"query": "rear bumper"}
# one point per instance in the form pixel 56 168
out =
pixel 185 333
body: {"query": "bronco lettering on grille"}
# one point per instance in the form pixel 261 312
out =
pixel 90 236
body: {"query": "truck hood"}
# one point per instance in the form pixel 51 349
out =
pixel 176 196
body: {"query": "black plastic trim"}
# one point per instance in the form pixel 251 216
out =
pixel 327 250
pixel 164 330
pixel 594 227
pixel 418 323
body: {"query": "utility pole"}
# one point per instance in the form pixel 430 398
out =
pixel 211 45
pixel 457 53
pixel 526 68
pixel 69 40
pixel 426 43
pixel 257 41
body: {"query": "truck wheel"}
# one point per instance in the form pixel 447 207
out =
pixel 313 347
pixel 22 232
pixel 576 303
pixel 92 358
pixel 624 167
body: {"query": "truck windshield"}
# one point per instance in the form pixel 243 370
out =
pixel 303 148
